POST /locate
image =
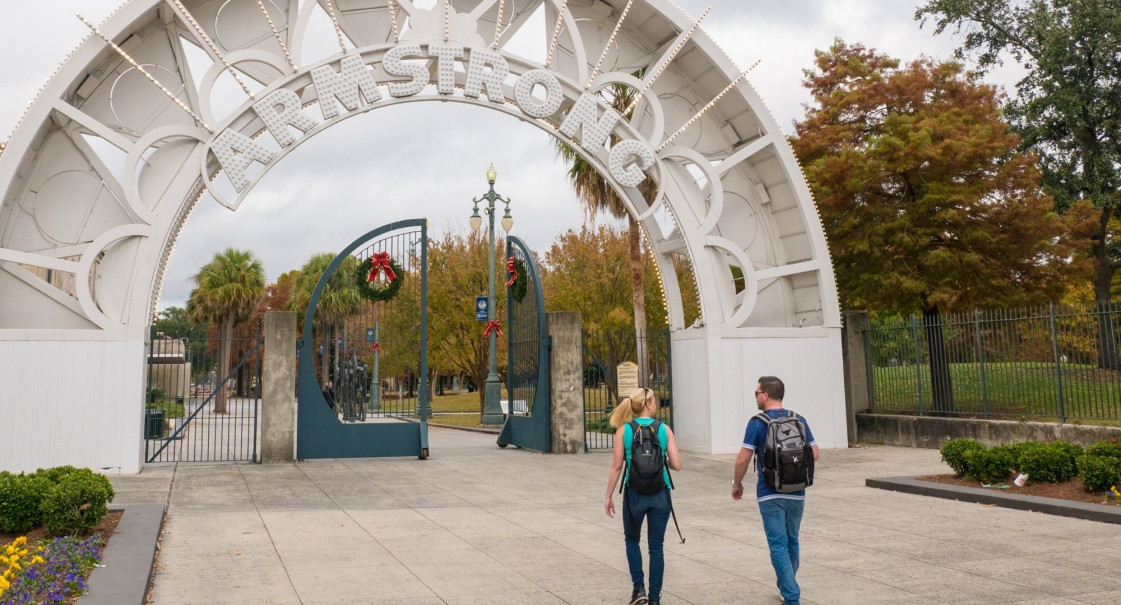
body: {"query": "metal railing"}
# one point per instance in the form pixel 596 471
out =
pixel 194 412
pixel 602 355
pixel 1050 363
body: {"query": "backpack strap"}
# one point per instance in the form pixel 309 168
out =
pixel 763 417
pixel 626 460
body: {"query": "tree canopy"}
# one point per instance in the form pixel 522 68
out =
pixel 925 200
pixel 1066 108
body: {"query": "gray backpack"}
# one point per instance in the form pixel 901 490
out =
pixel 788 461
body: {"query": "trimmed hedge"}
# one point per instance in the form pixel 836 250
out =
pixel 953 453
pixel 1099 473
pixel 1054 462
pixel 64 499
pixel 20 496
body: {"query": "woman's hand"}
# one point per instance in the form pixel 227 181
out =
pixel 609 507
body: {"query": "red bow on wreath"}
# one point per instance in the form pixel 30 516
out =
pixel 511 271
pixel 377 347
pixel 493 325
pixel 380 262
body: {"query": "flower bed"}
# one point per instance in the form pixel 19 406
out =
pixel 47 571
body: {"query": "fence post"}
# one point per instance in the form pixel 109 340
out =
pixel 981 363
pixel 1058 365
pixel 278 382
pixel 567 422
pixel 918 358
pixel 856 364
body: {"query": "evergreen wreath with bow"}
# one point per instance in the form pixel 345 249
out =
pixel 366 277
pixel 515 269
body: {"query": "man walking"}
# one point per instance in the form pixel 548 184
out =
pixel 780 508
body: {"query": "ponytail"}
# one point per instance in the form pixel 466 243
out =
pixel 630 407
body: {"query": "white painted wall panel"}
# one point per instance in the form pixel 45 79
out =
pixel 690 398
pixel 71 402
pixel 812 371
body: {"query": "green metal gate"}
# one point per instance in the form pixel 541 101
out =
pixel 603 352
pixel 363 377
pixel 527 353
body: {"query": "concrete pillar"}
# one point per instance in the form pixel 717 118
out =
pixel 855 350
pixel 278 398
pixel 567 373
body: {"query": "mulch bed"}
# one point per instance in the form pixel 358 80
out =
pixel 1068 490
pixel 106 528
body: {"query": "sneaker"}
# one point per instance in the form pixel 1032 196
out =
pixel 654 602
pixel 638 597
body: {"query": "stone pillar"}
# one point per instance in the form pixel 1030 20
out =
pixel 278 398
pixel 858 370
pixel 566 358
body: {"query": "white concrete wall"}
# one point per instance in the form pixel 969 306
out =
pixel 714 379
pixel 71 402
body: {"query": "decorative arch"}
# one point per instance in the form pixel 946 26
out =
pixel 724 172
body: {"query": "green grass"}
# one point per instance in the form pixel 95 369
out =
pixel 1013 389
pixel 170 409
pixel 464 402
pixel 455 419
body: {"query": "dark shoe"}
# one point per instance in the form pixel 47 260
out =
pixel 638 597
pixel 658 602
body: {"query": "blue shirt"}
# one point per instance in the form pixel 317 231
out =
pixel 628 438
pixel 755 439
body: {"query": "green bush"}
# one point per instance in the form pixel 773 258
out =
pixel 953 453
pixel 77 502
pixel 1107 449
pixel 989 465
pixel 55 474
pixel 1099 473
pixel 1050 462
pixel 20 497
pixel 602 425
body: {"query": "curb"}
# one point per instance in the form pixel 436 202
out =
pixel 1050 506
pixel 126 572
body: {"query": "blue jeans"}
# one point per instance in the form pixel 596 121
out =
pixel 781 520
pixel 656 509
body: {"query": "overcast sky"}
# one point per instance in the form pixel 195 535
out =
pixel 387 165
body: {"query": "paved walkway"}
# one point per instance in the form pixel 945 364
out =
pixel 475 524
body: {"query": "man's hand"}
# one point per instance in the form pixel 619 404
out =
pixel 737 491
pixel 609 507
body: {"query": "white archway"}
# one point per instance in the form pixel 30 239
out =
pixel 83 244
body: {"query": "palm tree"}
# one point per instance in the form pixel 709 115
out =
pixel 227 290
pixel 340 299
pixel 597 195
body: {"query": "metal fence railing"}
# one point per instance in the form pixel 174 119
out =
pixel 603 353
pixel 195 410
pixel 1050 363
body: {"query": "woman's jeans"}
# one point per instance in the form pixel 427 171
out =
pixel 655 508
pixel 781 520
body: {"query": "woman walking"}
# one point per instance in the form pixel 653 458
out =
pixel 646 491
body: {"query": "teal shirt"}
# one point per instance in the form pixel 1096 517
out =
pixel 628 438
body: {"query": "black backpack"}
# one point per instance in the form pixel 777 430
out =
pixel 647 459
pixel 644 473
pixel 788 461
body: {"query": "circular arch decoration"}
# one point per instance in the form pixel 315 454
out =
pixel 724 172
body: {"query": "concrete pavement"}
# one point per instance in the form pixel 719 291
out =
pixel 477 524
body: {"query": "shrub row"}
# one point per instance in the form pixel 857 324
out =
pixel 1099 465
pixel 64 499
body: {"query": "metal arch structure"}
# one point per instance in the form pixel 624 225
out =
pixel 85 235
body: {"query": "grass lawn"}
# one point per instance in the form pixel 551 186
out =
pixel 1015 389
pixel 455 419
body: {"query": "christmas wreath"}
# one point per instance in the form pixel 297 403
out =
pixel 366 278
pixel 515 269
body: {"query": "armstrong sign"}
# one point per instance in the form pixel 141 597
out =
pixel 351 85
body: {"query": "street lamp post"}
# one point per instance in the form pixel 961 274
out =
pixel 492 410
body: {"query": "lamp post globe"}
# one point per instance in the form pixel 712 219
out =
pixel 492 394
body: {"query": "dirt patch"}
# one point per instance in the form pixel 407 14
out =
pixel 1068 490
pixel 106 528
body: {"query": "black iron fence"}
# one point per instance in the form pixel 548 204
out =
pixel 604 353
pixel 203 395
pixel 1050 363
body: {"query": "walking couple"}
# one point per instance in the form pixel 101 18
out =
pixel 644 451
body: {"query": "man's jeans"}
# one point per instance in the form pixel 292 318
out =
pixel 781 519
pixel 655 507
